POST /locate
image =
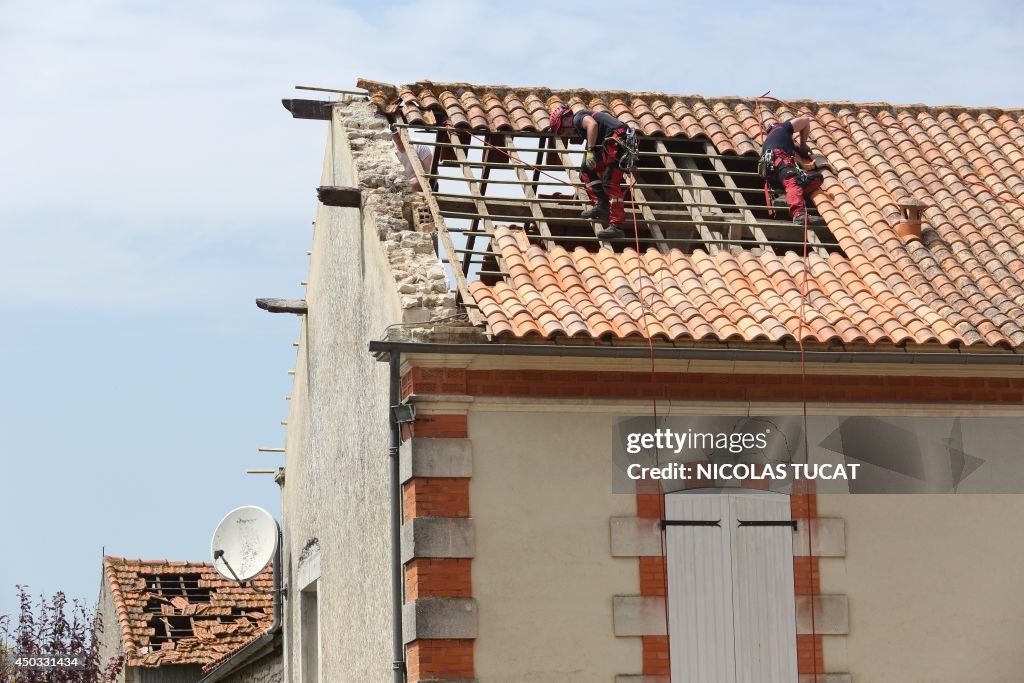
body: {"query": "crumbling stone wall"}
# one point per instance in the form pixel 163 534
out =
pixel 419 276
pixel 371 273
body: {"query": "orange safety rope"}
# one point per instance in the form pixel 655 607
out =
pixel 803 393
pixel 807 452
pixel 654 404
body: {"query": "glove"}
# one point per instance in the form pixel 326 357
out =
pixel 804 151
pixel 590 159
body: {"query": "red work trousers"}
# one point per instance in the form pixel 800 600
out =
pixel 797 183
pixel 604 182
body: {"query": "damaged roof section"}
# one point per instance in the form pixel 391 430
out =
pixel 707 276
pixel 184 612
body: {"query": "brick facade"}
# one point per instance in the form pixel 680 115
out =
pixel 430 659
pixel 709 386
pixel 450 496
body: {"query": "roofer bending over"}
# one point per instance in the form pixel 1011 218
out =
pixel 784 173
pixel 605 138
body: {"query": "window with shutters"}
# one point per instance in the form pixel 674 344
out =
pixel 732 613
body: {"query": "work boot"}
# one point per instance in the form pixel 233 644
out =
pixel 612 232
pixel 811 220
pixel 596 212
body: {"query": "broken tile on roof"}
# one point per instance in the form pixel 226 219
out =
pixel 960 284
pixel 184 612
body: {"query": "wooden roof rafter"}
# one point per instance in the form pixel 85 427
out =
pixel 686 195
pixel 442 230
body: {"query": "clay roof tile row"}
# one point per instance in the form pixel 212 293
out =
pixel 961 285
pixel 214 634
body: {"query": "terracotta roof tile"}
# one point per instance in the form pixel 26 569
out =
pixel 207 615
pixel 962 284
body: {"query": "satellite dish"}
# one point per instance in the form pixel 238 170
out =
pixel 244 543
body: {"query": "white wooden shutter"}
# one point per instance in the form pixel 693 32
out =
pixel 700 589
pixel 732 616
pixel 765 607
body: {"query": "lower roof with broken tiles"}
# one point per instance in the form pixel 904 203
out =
pixel 173 613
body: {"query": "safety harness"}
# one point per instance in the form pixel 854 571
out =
pixel 774 168
pixel 629 150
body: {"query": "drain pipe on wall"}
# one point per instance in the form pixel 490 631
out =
pixel 394 398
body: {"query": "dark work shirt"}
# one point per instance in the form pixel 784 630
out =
pixel 781 137
pixel 606 124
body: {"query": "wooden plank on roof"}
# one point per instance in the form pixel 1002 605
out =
pixel 336 195
pixel 297 306
pixel 442 230
pixel 737 197
pixel 688 198
pixel 309 109
pixel 652 222
pixel 529 190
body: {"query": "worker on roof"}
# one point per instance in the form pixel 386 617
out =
pixel 600 172
pixel 782 170
pixel 424 153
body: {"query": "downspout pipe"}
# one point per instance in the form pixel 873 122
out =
pixel 394 398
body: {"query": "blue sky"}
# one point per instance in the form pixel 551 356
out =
pixel 153 187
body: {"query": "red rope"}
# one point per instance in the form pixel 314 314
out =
pixel 807 452
pixel 654 403
pixel 803 392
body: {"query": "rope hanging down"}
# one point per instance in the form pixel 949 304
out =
pixel 803 394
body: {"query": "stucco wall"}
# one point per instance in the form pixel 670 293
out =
pixel 110 646
pixel 166 674
pixel 543 574
pixel 336 487
pixel 268 669
pixel 933 584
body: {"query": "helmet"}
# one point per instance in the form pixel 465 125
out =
pixel 556 117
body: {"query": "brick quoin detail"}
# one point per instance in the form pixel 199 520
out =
pixel 708 386
pixel 434 381
pixel 436 497
pixel 807 576
pixel 805 662
pixel 441 427
pixel 807 581
pixel 438 578
pixel 652 576
pixel 430 659
pixel 656 661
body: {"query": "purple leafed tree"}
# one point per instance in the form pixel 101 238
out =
pixel 49 628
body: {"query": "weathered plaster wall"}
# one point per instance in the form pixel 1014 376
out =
pixel 336 487
pixel 543 576
pixel 173 673
pixel 933 584
pixel 110 646
pixel 268 669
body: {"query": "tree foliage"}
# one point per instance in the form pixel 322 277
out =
pixel 48 628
